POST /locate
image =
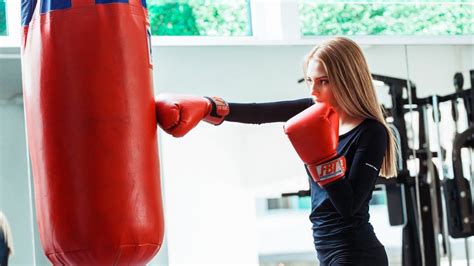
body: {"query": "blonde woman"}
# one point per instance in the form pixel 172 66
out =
pixel 339 133
pixel 6 241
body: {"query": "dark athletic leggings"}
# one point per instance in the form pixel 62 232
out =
pixel 374 256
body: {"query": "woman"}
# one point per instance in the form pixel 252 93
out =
pixel 6 241
pixel 355 139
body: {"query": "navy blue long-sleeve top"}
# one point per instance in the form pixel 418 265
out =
pixel 4 250
pixel 339 211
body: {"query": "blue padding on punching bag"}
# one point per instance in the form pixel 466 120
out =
pixel 50 5
pixel 27 9
pixel 110 1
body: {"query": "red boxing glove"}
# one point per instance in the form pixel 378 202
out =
pixel 219 110
pixel 314 134
pixel 178 114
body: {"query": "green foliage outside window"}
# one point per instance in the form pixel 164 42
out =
pixel 199 17
pixel 3 19
pixel 385 18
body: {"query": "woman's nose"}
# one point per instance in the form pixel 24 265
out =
pixel 314 90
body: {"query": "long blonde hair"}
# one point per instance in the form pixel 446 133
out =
pixel 351 85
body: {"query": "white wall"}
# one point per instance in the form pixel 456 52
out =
pixel 14 187
pixel 14 196
pixel 214 174
pixel 246 73
pixel 431 67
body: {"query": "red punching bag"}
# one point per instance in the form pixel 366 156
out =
pixel 88 92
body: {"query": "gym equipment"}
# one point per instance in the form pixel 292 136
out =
pixel 458 192
pixel 412 254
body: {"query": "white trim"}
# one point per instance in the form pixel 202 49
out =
pixel 405 39
pixel 10 56
pixel 10 41
pixel 274 20
pixel 362 40
pixel 290 20
pixel 257 16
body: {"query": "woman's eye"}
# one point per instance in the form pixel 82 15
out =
pixel 323 82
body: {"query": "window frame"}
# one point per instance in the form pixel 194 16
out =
pixel 274 22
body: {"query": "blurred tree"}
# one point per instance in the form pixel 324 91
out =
pixel 378 18
pixel 172 19
pixel 3 18
pixel 199 17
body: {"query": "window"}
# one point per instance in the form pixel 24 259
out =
pixel 378 198
pixel 379 17
pixel 3 18
pixel 200 17
pixel 288 203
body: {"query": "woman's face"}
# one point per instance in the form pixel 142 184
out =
pixel 318 82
